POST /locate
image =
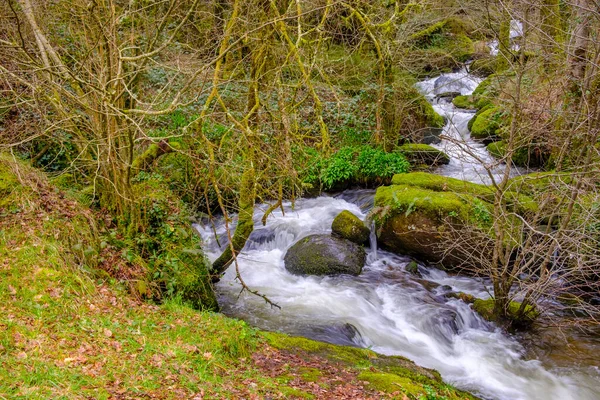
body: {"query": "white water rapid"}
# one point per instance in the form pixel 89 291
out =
pixel 386 308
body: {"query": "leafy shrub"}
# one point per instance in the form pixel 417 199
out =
pixel 352 165
pixel 340 168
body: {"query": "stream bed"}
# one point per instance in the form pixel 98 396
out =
pixel 388 309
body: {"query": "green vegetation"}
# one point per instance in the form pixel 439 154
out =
pixel 362 165
pixel 463 102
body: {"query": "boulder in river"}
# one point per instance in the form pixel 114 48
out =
pixel 348 226
pixel 325 255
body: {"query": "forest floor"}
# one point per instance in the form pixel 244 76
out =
pixel 66 332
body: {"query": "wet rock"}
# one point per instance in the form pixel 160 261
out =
pixel 325 255
pixel 341 334
pixel 348 226
pixel 413 268
pixel 262 236
pixel 448 95
pixel 431 136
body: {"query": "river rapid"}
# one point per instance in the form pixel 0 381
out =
pixel 388 309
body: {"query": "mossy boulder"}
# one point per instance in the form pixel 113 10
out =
pixel 487 125
pixel 529 156
pixel 442 46
pixel 176 264
pixel 464 102
pixel 395 375
pixel 517 202
pixel 424 154
pixel 348 226
pixel 413 221
pixel 325 255
pixel 415 213
pixel 485 308
pixel 484 66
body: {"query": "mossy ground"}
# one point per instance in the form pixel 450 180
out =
pixel 69 329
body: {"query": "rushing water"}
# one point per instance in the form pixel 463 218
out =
pixel 386 308
pixel 469 159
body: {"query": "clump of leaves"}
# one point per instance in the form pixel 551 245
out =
pixel 350 165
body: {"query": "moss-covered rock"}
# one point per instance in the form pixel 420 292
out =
pixel 517 202
pixel 424 154
pixel 486 125
pixel 414 214
pixel 176 263
pixel 522 157
pixel 484 66
pixel 485 308
pixel 325 255
pixel 412 220
pixel 444 45
pixel 464 102
pixel 348 226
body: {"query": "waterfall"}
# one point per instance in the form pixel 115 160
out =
pixel 373 243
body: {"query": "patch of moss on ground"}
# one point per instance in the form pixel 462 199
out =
pixel 387 374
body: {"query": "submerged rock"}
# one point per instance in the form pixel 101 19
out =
pixel 325 255
pixel 348 226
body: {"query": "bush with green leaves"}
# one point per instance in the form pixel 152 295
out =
pixel 352 165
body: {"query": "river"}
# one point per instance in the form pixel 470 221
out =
pixel 386 308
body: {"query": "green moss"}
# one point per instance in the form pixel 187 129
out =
pixel 391 383
pixel 169 246
pixel 484 66
pixel 521 157
pixel 440 183
pixel 517 202
pixel 461 47
pixel 291 392
pixel 310 374
pixel 464 102
pixel 487 124
pixel 485 308
pixel 349 226
pixel 349 355
pixel 384 373
pixel 409 199
pixel 8 181
pixel 479 112
pixel 418 153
